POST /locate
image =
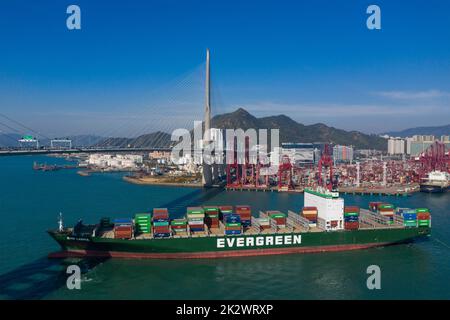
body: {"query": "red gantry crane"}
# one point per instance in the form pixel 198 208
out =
pixel 326 162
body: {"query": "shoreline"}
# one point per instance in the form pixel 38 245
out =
pixel 152 181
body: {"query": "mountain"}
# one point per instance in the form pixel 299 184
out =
pixel 435 131
pixel 292 131
pixel 85 140
pixel 152 140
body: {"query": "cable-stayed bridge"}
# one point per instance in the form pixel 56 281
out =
pixel 18 152
pixel 158 112
pixel 169 113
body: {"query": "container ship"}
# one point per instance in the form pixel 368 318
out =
pixel 436 182
pixel 324 224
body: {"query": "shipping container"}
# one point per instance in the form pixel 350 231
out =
pixel 351 209
pixel 226 208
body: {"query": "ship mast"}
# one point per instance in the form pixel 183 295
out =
pixel 60 223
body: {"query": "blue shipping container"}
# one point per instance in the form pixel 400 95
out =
pixel 160 220
pixel 409 216
pixel 197 229
pixel 351 218
pixel 232 232
pixel 161 235
pixel 123 222
pixel 232 218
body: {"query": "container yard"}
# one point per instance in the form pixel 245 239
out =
pixel 366 176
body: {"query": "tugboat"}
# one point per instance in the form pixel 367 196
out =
pixel 436 182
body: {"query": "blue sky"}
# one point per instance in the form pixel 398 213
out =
pixel 137 66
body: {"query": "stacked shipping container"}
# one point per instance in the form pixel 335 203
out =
pixel 423 217
pixel 196 219
pixel 211 216
pixel 224 210
pixel 232 223
pixel 310 214
pixel 264 223
pixel 245 213
pixel 278 217
pixel 123 228
pixel 387 210
pixel 409 216
pixel 351 218
pixel 179 226
pixel 160 221
pixel 142 222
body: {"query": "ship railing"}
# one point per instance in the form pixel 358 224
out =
pixel 298 219
pixel 290 224
pixel 398 219
pixel 273 225
pixel 374 219
pixel 255 223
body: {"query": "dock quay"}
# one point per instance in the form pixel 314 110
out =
pixel 51 167
pixel 263 189
pixel 399 191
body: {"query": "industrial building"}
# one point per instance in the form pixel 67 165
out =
pixel 119 161
pixel 301 154
pixel 419 143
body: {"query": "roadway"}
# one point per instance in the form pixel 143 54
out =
pixel 20 152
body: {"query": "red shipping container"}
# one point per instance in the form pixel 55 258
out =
pixel 123 228
pixel 354 225
pixel 232 228
pixel 124 234
pixel 280 220
pixel 162 229
pixel 351 209
pixel 179 227
pixel 225 208
pixel 200 225
pixel 423 216
pixel 161 215
pixel 243 207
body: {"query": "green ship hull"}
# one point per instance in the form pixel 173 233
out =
pixel 236 245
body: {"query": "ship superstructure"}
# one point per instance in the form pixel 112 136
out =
pixel 435 182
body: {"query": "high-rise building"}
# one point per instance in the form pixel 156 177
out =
pixel 396 146
pixel 342 153
pixel 419 143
